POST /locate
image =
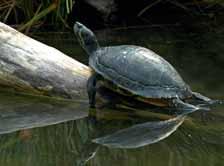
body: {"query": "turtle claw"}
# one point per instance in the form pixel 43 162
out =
pixel 205 100
pixel 214 102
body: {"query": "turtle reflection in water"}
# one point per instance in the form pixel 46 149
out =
pixel 135 71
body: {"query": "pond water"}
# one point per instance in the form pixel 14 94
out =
pixel 41 131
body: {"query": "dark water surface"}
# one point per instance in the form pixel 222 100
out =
pixel 42 131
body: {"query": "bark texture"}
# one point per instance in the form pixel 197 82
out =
pixel 33 67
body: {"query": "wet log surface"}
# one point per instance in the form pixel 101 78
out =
pixel 30 66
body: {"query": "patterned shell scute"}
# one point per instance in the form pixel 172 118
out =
pixel 139 71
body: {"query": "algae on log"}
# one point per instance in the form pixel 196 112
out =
pixel 30 66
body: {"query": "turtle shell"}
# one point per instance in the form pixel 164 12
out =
pixel 139 71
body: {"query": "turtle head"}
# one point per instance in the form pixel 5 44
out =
pixel 86 38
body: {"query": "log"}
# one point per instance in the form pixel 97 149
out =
pixel 29 66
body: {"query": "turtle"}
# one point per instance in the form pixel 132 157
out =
pixel 135 71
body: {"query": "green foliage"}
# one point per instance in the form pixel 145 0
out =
pixel 26 14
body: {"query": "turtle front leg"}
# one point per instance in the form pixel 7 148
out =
pixel 185 108
pixel 91 89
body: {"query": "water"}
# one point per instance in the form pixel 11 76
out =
pixel 42 131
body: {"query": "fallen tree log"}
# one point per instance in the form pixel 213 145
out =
pixel 30 66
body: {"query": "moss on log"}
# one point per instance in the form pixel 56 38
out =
pixel 30 66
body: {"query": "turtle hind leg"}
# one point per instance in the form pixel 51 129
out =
pixel 205 100
pixel 91 89
pixel 185 108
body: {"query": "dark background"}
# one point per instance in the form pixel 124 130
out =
pixel 59 15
